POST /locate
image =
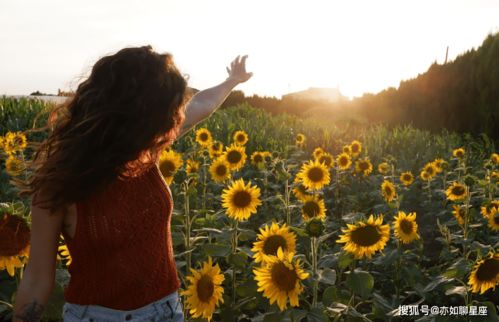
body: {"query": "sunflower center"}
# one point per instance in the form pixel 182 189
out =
pixel 355 148
pixel 365 236
pixel 221 170
pixel 258 158
pixel 343 161
pixel 429 170
pixel 273 243
pixel 458 190
pixel 234 156
pixel 407 177
pixel 315 174
pixel 167 168
pixel 363 166
pixel 488 270
pixel 283 277
pixel 406 226
pixel 326 160
pixel 205 288
pixel 203 136
pixel 242 199
pixel 311 208
pixel 14 235
pixel 388 190
pixel 496 218
pixel 240 138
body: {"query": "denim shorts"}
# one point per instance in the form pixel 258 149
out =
pixel 169 308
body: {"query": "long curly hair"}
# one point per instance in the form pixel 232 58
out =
pixel 116 125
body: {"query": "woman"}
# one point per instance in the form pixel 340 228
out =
pixel 96 181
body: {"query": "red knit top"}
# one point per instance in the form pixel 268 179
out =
pixel 122 252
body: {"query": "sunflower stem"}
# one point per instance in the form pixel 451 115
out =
pixel 466 222
pixel 313 246
pixel 187 230
pixel 234 249
pixel 205 175
pixel 286 201
pixel 397 278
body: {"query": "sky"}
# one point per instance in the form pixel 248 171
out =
pixel 356 46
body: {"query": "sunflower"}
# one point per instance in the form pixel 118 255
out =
pixel 384 168
pixel 425 176
pixel 494 219
pixel 458 153
pixel 494 176
pixel 363 166
pixel 192 166
pixel 14 142
pixel 300 191
pixel 430 168
pixel 267 156
pixel 486 209
pixel 169 163
pixel 356 148
pixel 406 178
pixel 313 207
pixel 459 213
pixel 347 149
pixel 215 149
pixel 205 290
pixel 240 138
pixel 317 152
pixel 457 191
pixel 270 239
pixel 280 279
pixel 300 139
pixel 257 158
pixel 388 191
pixel 485 274
pixel 235 156
pixel 14 166
pixel 314 175
pixel 203 137
pixel 15 236
pixel 344 161
pixel 327 159
pixel 405 227
pixel 220 170
pixel 494 158
pixel 438 163
pixel 240 200
pixel 365 237
pixel 65 254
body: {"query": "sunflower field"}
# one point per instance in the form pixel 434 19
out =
pixel 278 218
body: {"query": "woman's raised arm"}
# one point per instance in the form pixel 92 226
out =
pixel 205 102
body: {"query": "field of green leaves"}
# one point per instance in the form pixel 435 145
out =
pixel 278 218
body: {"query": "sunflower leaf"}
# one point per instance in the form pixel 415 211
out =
pixel 360 282
pixel 327 276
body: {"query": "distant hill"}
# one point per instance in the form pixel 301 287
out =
pixel 332 95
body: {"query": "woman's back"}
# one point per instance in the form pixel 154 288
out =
pixel 122 253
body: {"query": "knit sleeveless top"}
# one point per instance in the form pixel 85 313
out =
pixel 122 252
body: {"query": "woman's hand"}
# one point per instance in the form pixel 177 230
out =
pixel 237 71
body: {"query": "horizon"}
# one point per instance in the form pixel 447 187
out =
pixel 291 47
